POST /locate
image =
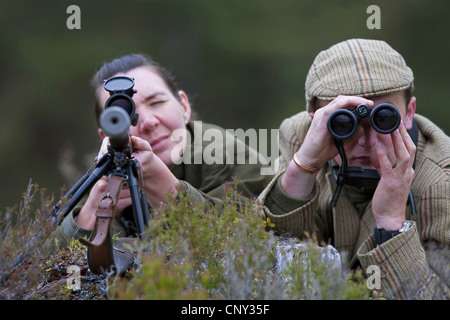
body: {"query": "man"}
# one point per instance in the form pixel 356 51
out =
pixel 372 223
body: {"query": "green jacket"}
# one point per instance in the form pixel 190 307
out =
pixel 203 182
pixel 413 264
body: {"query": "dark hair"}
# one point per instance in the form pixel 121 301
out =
pixel 124 64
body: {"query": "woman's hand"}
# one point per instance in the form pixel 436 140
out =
pixel 158 182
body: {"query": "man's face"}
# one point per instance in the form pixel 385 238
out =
pixel 360 148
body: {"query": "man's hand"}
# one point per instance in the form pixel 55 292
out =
pixel 317 148
pixel 391 194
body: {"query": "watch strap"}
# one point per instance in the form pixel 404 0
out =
pixel 381 235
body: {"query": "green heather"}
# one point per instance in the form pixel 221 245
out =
pixel 187 253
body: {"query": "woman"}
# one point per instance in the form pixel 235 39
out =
pixel 163 111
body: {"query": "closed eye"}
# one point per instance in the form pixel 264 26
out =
pixel 155 99
pixel 156 103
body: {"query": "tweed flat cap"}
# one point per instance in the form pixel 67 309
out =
pixel 357 67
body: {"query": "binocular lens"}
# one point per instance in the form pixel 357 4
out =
pixel 342 125
pixel 385 119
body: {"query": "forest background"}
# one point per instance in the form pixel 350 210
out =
pixel 243 64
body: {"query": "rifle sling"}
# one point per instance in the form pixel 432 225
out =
pixel 100 253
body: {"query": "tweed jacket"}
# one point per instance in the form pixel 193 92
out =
pixel 413 264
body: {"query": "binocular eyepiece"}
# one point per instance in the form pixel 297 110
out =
pixel 384 118
pixel 119 110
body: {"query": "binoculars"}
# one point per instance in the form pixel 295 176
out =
pixel 384 118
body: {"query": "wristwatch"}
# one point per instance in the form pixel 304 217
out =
pixel 381 235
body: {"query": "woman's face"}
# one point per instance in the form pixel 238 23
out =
pixel 160 112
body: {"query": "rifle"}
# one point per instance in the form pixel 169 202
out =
pixel 119 166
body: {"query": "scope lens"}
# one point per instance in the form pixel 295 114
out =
pixel 386 119
pixel 123 103
pixel 342 125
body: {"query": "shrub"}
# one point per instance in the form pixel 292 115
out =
pixel 189 251
pixel 22 232
pixel 231 255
